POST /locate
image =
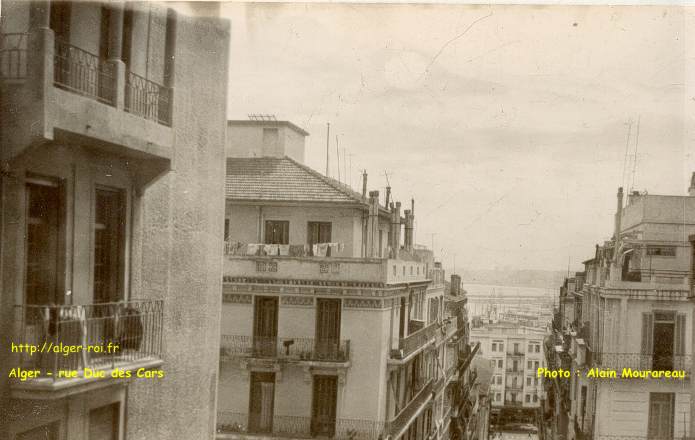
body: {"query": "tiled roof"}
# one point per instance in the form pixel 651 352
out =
pixel 282 179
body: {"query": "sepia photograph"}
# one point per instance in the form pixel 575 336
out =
pixel 373 220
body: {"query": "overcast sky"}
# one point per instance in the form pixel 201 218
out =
pixel 507 124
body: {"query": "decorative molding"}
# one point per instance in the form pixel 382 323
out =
pixel 328 290
pixel 248 366
pixel 309 372
pixel 237 298
pixel 288 300
pixel 266 266
pixel 363 303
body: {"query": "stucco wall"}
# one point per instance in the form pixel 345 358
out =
pixel 179 256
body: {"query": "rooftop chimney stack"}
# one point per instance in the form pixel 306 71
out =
pixel 618 219
pixel 397 231
pixel 373 225
pixel 691 190
pixel 364 184
pixel 388 196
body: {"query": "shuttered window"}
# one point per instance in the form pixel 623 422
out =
pixel 277 232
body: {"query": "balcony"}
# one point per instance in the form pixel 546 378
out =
pixel 512 403
pixel 286 349
pixel 515 353
pixel 57 91
pixel 410 412
pixel 515 370
pixel 233 425
pixel 105 338
pixel 639 361
pixel 414 341
pixel 300 267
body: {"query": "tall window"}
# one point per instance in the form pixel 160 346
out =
pixel 663 340
pixel 277 232
pixel 661 412
pixel 319 232
pixel 261 402
pixel 104 422
pixel 109 245
pixel 45 241
pixel 60 20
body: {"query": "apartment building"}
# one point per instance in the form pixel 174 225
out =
pixel 111 149
pixel 629 309
pixel 515 353
pixel 334 323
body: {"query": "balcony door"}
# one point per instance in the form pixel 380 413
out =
pixel 45 242
pixel 265 326
pixel 663 340
pixel 323 406
pixel 319 232
pixel 261 402
pixel 661 411
pixel 327 328
pixel 109 245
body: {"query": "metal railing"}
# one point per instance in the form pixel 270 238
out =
pixel 637 437
pixel 639 361
pixel 414 341
pixel 82 72
pixel 13 55
pixel 107 334
pixel 515 353
pixel 297 349
pixel 229 422
pixel 148 99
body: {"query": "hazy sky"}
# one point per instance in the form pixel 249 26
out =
pixel 507 124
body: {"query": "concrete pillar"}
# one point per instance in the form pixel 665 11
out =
pixel 115 53
pixel 40 14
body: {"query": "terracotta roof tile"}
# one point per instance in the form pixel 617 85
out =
pixel 282 179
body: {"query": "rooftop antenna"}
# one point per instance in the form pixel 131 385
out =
pixel 627 147
pixel 328 133
pixel 345 167
pixel 337 152
pixel 350 156
pixel 634 163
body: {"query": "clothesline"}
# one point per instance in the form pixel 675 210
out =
pixel 291 250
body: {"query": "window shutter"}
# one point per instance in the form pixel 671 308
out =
pixel 679 337
pixel 647 333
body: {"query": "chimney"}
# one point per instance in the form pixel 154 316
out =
pixel 388 196
pixel 364 184
pixel 373 225
pixel 618 219
pixel 396 231
pixel 691 190
pixel 455 285
pixel 408 230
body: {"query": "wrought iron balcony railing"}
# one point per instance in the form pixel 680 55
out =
pixel 416 340
pixel 515 353
pixel 295 349
pixel 639 361
pixel 148 99
pixel 82 72
pixel 636 437
pixel 13 56
pixel 299 426
pixel 109 335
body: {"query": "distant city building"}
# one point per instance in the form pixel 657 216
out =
pixel 334 323
pixel 101 241
pixel 628 310
pixel 515 353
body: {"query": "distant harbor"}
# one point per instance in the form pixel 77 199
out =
pixel 484 299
